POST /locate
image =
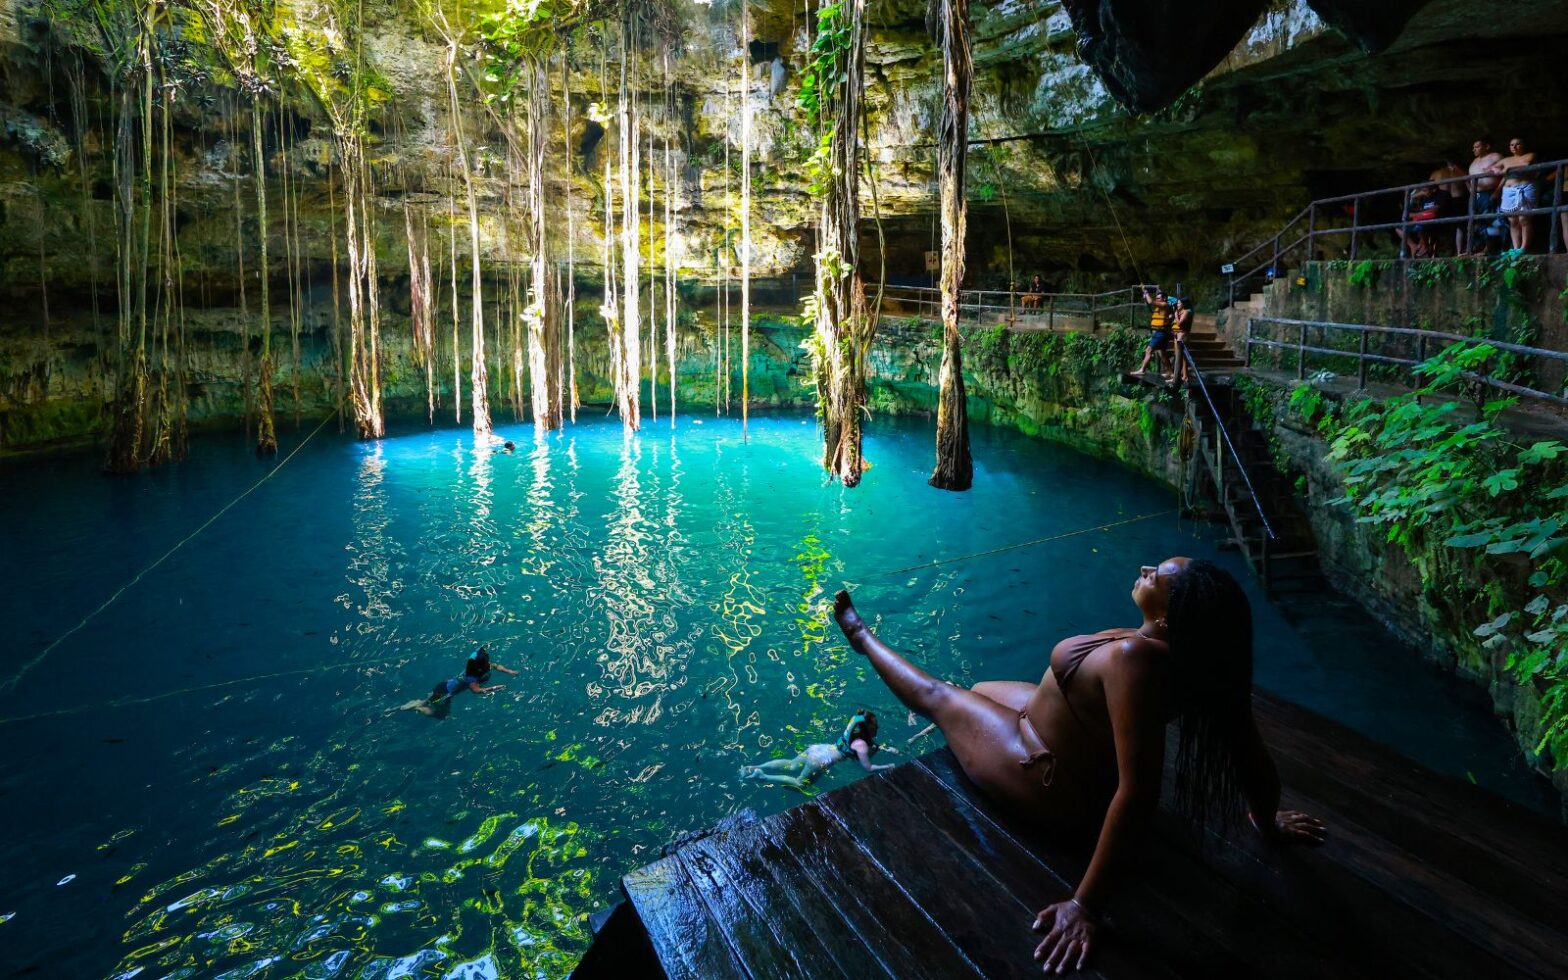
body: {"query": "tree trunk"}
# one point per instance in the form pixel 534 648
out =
pixel 954 467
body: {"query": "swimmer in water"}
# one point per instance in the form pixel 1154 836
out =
pixel 508 447
pixel 475 673
pixel 858 741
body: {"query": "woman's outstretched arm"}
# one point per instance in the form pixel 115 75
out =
pixel 1260 785
pixel 1136 699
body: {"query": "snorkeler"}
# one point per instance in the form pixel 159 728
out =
pixel 858 741
pixel 475 673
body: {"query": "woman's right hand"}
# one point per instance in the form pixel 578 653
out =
pixel 1067 943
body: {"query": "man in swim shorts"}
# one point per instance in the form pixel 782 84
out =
pixel 1485 187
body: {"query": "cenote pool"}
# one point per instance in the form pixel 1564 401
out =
pixel 203 779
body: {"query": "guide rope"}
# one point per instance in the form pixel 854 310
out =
pixel 937 562
pixel 10 683
pixel 127 701
pixel 303 671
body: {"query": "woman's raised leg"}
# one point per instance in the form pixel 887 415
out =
pixel 982 733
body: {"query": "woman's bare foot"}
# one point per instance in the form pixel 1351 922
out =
pixel 849 620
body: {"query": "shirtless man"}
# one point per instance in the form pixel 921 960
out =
pixel 1518 192
pixel 1485 183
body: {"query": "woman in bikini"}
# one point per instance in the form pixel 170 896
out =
pixel 1083 751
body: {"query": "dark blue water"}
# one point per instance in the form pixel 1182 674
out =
pixel 204 778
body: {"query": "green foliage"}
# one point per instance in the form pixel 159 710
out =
pixel 1428 475
pixel 1511 270
pixel 1365 272
pixel 1430 273
pixel 820 80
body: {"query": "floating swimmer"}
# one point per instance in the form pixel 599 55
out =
pixel 858 741
pixel 475 673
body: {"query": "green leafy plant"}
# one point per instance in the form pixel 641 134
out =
pixel 1433 272
pixel 1429 475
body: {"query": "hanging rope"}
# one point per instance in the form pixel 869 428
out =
pixel 10 683
pixel 1110 206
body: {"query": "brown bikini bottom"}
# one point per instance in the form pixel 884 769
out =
pixel 1028 733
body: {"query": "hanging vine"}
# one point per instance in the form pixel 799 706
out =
pixel 949 22
pixel 843 324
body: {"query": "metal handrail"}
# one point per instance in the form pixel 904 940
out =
pixel 1193 370
pixel 1050 306
pixel 1363 355
pixel 1278 252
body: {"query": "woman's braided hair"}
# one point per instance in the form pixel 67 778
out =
pixel 1209 627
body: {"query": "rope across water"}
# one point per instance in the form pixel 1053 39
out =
pixel 10 683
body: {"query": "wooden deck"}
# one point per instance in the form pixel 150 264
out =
pixel 910 873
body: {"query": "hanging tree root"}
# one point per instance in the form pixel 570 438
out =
pixel 266 430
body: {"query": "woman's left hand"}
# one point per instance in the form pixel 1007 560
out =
pixel 1292 827
pixel 1066 945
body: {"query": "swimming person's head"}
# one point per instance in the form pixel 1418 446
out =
pixel 478 662
pixel 864 726
pixel 1208 624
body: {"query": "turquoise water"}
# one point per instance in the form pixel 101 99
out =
pixel 203 779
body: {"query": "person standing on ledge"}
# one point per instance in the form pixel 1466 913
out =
pixel 475 673
pixel 1518 193
pixel 1083 751
pixel 857 742
pixel 1485 189
pixel 1159 327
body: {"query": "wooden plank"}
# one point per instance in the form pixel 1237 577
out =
pixel 986 921
pixel 1525 840
pixel 738 883
pixel 1171 910
pixel 870 905
pixel 1323 891
pixel 783 878
pixel 1531 891
pixel 1466 914
pixel 688 942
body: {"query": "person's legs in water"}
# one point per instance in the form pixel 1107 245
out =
pixel 983 733
pixel 796 772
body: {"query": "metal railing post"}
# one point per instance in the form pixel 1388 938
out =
pixel 1470 216
pixel 1246 348
pixel 1050 322
pixel 1312 230
pixel 1404 228
pixel 1301 353
pixel 1420 356
pixel 1355 224
pixel 1555 237
pixel 1361 367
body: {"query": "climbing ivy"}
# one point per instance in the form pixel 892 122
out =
pixel 1430 473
